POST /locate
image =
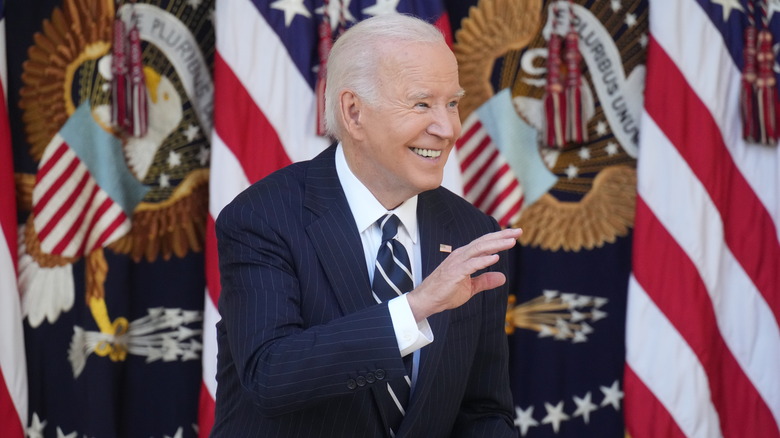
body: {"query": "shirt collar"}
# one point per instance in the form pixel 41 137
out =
pixel 366 209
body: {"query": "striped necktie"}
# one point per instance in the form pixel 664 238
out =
pixel 392 278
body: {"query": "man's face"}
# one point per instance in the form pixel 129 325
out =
pixel 406 137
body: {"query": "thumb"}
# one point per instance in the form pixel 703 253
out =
pixel 486 281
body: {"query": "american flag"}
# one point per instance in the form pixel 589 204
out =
pixel 488 180
pixel 84 195
pixel 702 338
pixel 265 111
pixel 13 366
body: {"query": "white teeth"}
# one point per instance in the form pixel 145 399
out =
pixel 428 153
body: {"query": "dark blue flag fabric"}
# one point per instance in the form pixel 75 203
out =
pixel 110 108
pixel 566 318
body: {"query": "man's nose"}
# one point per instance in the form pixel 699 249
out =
pixel 445 124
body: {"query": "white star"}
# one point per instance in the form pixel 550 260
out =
pixel 336 10
pixel 382 7
pixel 584 407
pixel 555 415
pixel 601 128
pixel 572 171
pixel 612 395
pixel 630 20
pixel 179 433
pixel 774 6
pixel 584 153
pixel 194 4
pixel 291 8
pixel 612 148
pixel 60 434
pixel 728 5
pixel 616 5
pixel 203 155
pixel 174 159
pixel 643 40
pixel 191 132
pixel 165 180
pixel 525 419
pixel 36 428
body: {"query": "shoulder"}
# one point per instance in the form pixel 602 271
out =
pixel 277 190
pixel 280 192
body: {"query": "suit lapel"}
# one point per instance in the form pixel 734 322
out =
pixel 334 235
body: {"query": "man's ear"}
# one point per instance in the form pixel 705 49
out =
pixel 350 106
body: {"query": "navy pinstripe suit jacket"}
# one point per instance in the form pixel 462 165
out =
pixel 303 347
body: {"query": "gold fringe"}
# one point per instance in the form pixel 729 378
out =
pixel 603 214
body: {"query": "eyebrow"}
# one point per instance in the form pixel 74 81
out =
pixel 421 96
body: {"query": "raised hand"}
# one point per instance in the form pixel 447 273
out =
pixel 450 285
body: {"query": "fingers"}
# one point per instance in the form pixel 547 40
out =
pixel 487 281
pixel 450 285
pixel 480 253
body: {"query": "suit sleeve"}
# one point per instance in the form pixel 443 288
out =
pixel 284 362
pixel 486 410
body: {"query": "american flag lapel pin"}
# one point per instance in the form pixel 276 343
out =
pixel 445 248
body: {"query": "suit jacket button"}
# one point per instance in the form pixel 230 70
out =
pixel 361 381
pixel 370 378
pixel 380 374
pixel 351 384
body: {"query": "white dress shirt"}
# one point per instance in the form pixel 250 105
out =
pixel 366 210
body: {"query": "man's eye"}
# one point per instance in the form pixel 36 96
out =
pixel 453 104
pixel 421 105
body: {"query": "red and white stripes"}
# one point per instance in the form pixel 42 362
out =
pixel 72 214
pixel 702 340
pixel 488 181
pixel 13 366
pixel 264 118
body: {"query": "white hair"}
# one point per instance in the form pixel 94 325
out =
pixel 354 59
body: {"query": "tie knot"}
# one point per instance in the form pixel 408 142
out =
pixel 389 225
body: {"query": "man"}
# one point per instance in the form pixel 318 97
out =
pixel 309 343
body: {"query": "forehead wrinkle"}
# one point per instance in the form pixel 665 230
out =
pixel 422 95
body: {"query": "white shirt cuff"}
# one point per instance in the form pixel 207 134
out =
pixel 411 336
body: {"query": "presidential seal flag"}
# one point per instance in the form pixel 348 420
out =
pixel 13 372
pixel 556 86
pixel 111 110
pixel 269 62
pixel 702 339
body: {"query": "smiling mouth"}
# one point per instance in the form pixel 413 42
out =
pixel 427 153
